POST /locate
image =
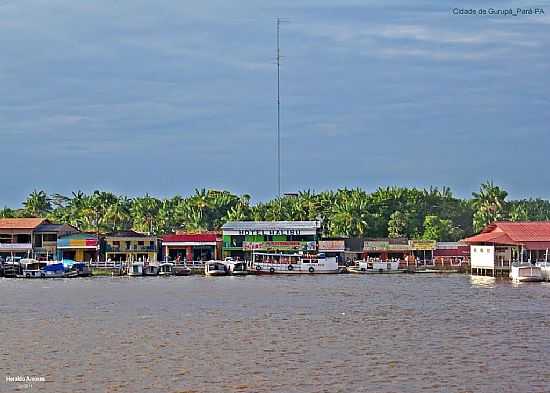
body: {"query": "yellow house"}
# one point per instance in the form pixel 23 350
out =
pixel 130 246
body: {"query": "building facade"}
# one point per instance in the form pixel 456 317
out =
pixel 130 246
pixel 45 238
pixel 502 243
pixel 242 238
pixel 191 246
pixel 17 236
pixel 80 247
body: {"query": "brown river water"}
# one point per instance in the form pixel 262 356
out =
pixel 326 333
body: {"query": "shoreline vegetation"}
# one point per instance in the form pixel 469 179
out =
pixel 431 214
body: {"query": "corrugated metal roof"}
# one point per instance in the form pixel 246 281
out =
pixel 513 232
pixel 21 223
pixel 270 225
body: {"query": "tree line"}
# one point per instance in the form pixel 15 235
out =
pixel 432 213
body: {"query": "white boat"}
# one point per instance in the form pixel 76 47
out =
pixel 376 266
pixel 151 270
pixel 545 270
pixel 525 272
pixel 215 268
pixel 31 268
pixel 278 263
pixel 136 269
pixel 236 268
pixel 166 269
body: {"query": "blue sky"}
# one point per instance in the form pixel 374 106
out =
pixel 164 97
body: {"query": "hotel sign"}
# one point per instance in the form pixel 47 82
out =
pixel 271 232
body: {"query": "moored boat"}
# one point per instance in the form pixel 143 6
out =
pixel 54 270
pixel 166 269
pixel 31 268
pixel 76 269
pixel 294 263
pixel 236 268
pixel 151 270
pixel 136 269
pixel 525 272
pixel 376 266
pixel 545 270
pixel 215 268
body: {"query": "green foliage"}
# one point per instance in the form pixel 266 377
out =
pixel 437 228
pixel 391 211
pixel 489 205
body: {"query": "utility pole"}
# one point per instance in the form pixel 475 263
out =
pixel 278 112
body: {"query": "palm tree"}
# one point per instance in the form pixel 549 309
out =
pixel 118 214
pixel 489 205
pixel 37 204
pixel 145 212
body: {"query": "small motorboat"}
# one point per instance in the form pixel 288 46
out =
pixel 151 270
pixel 54 270
pixel 236 268
pixel 181 270
pixel 136 269
pixel 376 266
pixel 215 268
pixel 525 272
pixel 31 268
pixel 166 269
pixel 545 270
pixel 76 269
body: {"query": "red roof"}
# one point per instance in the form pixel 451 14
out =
pixel 21 223
pixel 191 237
pixel 504 232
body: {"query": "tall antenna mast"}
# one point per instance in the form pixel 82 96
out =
pixel 278 113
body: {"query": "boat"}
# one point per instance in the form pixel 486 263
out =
pixel 151 270
pixel 76 269
pixel 181 269
pixel 376 266
pixel 294 263
pixel 545 270
pixel 11 267
pixel 31 268
pixel 236 268
pixel 215 268
pixel 136 269
pixel 166 269
pixel 54 270
pixel 524 272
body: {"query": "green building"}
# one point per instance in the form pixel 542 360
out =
pixel 241 238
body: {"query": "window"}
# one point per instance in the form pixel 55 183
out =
pixel 49 237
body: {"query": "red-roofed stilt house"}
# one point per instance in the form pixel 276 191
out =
pixel 501 243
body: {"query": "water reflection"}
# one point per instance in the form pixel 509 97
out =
pixel 414 333
pixel 483 281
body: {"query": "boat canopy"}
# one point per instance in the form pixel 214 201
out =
pixel 54 267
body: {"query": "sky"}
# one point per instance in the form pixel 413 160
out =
pixel 163 97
